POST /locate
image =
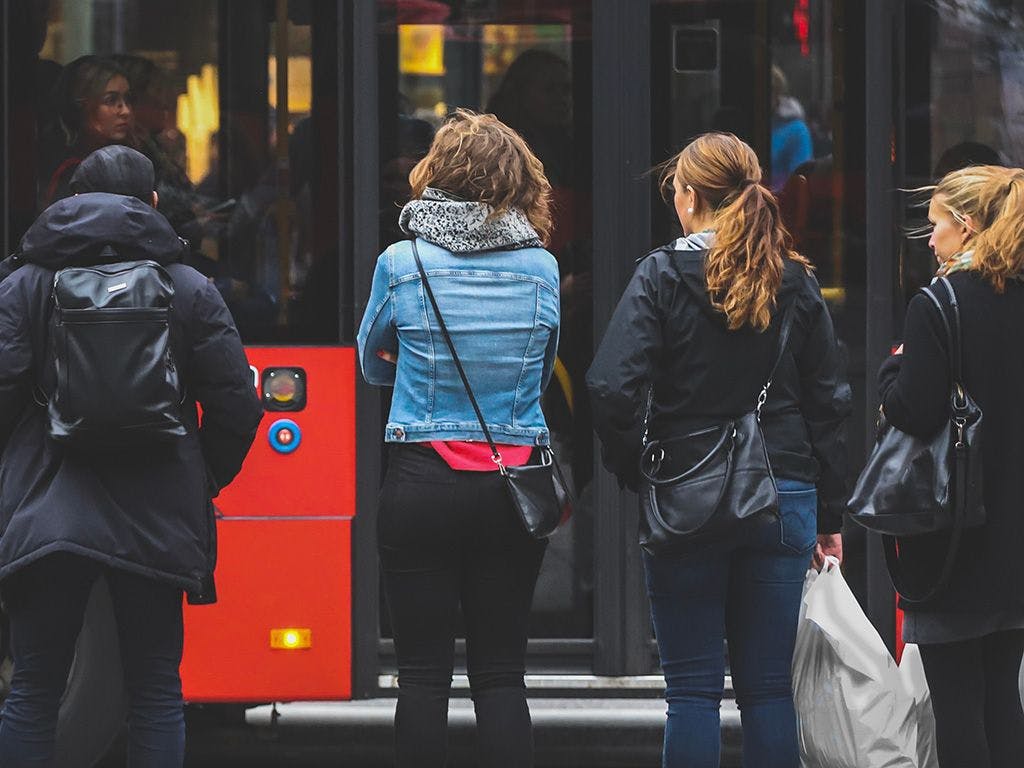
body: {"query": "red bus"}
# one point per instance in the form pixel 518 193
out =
pixel 283 132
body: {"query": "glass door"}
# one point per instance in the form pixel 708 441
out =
pixel 529 64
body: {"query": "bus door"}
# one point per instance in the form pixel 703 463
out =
pixel 281 627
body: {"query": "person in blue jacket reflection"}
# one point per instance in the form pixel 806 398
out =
pixel 791 138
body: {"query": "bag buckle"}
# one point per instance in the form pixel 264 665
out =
pixel 960 422
pixel 496 458
pixel 762 398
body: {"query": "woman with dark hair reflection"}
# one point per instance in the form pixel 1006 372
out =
pixel 93 105
pixel 535 98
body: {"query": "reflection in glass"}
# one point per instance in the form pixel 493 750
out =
pixel 233 173
pixel 531 69
pixel 965 106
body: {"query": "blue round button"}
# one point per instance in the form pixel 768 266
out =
pixel 284 435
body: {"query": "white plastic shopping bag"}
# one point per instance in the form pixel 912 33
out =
pixel 912 674
pixel 854 707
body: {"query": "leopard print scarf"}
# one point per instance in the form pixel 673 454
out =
pixel 461 226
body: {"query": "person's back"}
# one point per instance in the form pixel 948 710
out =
pixel 140 516
pixel 700 328
pixel 501 309
pixel 449 535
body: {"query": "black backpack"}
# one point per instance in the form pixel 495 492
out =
pixel 117 384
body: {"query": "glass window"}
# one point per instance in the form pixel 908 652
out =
pixel 195 84
pixel 964 74
pixel 528 63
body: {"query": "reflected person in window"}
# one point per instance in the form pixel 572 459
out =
pixel 94 109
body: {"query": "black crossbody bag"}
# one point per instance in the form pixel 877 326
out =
pixel 913 486
pixel 727 480
pixel 538 492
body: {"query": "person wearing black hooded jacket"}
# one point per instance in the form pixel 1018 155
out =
pixel 699 324
pixel 143 517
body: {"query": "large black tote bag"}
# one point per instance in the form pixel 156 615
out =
pixel 913 486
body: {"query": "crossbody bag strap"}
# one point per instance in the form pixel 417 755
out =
pixel 780 348
pixel 495 455
pixel 784 331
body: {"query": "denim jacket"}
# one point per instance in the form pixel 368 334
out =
pixel 501 308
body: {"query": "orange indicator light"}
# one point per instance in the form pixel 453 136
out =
pixel 291 638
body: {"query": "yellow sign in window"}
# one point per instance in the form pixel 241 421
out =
pixel 421 49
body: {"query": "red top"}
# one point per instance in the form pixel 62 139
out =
pixel 476 457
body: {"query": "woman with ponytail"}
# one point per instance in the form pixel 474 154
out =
pixel 971 635
pixel 698 327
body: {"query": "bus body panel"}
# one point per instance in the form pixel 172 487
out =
pixel 284 546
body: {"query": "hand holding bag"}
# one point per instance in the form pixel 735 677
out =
pixel 538 492
pixel 730 482
pixel 913 486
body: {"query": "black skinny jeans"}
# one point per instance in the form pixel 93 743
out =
pixel 447 540
pixel 978 718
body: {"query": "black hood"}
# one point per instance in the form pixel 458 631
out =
pixel 76 230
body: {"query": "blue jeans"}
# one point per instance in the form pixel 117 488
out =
pixel 45 604
pixel 749 591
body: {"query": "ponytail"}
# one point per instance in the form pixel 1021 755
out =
pixel 999 246
pixel 744 265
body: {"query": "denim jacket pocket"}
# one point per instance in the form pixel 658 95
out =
pixel 798 519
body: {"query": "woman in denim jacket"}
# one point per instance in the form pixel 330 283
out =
pixel 448 535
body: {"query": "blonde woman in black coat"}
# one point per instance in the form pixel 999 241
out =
pixel 971 634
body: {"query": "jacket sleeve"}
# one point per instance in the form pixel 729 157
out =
pixel 377 330
pixel 221 381
pixel 551 351
pixel 825 405
pixel 914 386
pixel 15 356
pixel 622 369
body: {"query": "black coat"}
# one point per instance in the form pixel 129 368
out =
pixel 665 331
pixel 147 510
pixel 915 388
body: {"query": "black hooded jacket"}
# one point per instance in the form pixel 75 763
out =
pixel 665 331
pixel 148 511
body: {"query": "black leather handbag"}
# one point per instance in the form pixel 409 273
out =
pixel 913 486
pixel 726 478
pixel 541 497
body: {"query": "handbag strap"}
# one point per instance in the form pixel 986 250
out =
pixel 762 396
pixel 787 326
pixel 954 333
pixel 954 340
pixel 495 455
